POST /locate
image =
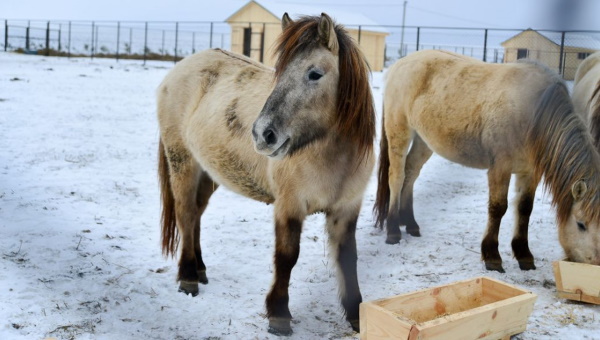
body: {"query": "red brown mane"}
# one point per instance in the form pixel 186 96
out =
pixel 355 107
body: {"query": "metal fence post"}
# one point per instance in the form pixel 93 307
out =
pixel 48 38
pixel 485 45
pixel 27 38
pixel 130 41
pixel 562 50
pixel 92 45
pixel 193 42
pixel 176 38
pixel 211 34
pixel 418 36
pixel 162 46
pixel 359 33
pixel 5 35
pixel 262 43
pixel 59 37
pixel 69 46
pixel 118 38
pixel 145 41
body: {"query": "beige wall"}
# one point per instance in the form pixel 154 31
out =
pixel 372 44
pixel 544 51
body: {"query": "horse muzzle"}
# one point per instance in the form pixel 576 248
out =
pixel 268 142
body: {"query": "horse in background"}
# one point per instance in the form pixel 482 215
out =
pixel 300 137
pixel 586 94
pixel 506 118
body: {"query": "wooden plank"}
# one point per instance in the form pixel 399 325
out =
pixel 577 281
pixel 494 290
pixel 492 321
pixel 423 305
pixel 378 323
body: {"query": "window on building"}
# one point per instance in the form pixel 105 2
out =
pixel 583 55
pixel 522 53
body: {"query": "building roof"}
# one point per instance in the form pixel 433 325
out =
pixel 348 19
pixel 577 40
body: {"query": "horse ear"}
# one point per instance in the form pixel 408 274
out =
pixel 286 21
pixel 578 190
pixel 327 33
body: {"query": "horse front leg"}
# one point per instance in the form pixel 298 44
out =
pixel 287 248
pixel 498 181
pixel 341 227
pixel 526 186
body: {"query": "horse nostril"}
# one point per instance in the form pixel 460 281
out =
pixel 270 137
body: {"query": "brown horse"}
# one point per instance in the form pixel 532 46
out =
pixel 586 94
pixel 507 118
pixel 300 137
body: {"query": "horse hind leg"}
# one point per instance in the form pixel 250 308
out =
pixel 498 181
pixel 206 187
pixel 419 154
pixel 399 138
pixel 185 174
pixel 526 186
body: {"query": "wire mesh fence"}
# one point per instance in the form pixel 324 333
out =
pixel 561 51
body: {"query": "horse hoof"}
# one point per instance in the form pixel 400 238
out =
pixel 497 266
pixel 189 288
pixel 393 238
pixel 527 265
pixel 280 326
pixel 202 277
pixel 414 232
pixel 355 325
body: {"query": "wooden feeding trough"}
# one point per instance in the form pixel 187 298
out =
pixel 480 308
pixel 577 281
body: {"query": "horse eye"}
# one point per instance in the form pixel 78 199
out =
pixel 314 75
pixel 581 226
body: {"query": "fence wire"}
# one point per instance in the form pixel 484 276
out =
pixel 561 51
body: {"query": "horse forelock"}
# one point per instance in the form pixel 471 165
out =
pixel 564 154
pixel 355 109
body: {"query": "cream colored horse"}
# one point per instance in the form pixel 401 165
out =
pixel 300 137
pixel 508 118
pixel 586 94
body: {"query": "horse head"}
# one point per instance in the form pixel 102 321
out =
pixel 579 234
pixel 299 110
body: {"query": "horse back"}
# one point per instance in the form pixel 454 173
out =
pixel 465 110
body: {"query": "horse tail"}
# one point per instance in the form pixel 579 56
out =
pixel 594 104
pixel 382 199
pixel 169 234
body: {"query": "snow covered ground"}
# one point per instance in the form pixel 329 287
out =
pixel 79 227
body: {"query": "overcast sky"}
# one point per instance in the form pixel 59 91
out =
pixel 541 14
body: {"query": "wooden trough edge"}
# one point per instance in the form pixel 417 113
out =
pixel 410 329
pixel 576 294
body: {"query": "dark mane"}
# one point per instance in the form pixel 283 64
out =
pixel 563 153
pixel 355 107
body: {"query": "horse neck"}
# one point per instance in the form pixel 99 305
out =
pixel 563 152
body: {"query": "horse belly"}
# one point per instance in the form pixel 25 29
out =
pixel 460 147
pixel 228 157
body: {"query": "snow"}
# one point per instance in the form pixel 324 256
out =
pixel 79 227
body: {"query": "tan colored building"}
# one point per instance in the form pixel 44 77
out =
pixel 546 48
pixel 256 26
